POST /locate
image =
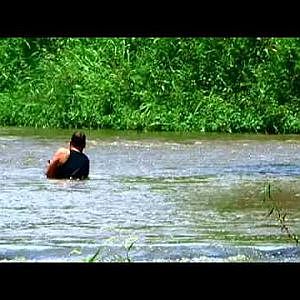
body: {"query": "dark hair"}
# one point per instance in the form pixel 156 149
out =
pixel 78 139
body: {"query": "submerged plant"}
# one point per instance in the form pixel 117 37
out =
pixel 128 248
pixel 75 251
pixel 119 258
pixel 280 215
pixel 95 256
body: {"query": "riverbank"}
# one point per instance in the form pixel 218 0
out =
pixel 152 84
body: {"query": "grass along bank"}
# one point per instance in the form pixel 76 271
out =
pixel 154 84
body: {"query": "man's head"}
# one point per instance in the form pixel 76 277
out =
pixel 78 140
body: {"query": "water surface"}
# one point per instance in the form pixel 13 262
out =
pixel 180 197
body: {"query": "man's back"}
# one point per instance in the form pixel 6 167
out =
pixel 77 166
pixel 70 162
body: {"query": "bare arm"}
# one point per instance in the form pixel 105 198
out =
pixel 59 158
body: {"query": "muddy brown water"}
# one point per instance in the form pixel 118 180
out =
pixel 178 197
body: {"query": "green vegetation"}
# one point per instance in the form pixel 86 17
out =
pixel 165 84
pixel 117 258
pixel 275 209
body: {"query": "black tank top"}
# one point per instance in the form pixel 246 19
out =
pixel 77 166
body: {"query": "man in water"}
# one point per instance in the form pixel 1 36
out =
pixel 70 163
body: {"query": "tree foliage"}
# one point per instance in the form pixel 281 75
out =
pixel 176 84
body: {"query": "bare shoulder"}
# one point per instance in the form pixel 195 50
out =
pixel 59 158
pixel 61 155
pixel 63 150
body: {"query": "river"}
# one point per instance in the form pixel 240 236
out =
pixel 172 197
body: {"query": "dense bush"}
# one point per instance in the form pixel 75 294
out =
pixel 173 84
